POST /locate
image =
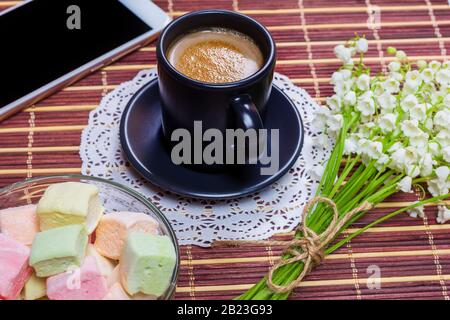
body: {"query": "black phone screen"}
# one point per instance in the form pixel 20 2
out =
pixel 43 40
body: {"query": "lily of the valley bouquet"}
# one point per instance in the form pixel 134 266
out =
pixel 391 133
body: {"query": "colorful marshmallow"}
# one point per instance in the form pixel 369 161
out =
pixel 105 265
pixel 35 288
pixel 116 292
pixel 68 216
pixel 70 203
pixel 147 264
pixel 14 269
pixel 86 283
pixel 113 277
pixel 114 228
pixel 55 250
pixel 20 223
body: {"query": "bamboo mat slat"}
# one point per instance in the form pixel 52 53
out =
pixel 413 255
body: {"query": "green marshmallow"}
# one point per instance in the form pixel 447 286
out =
pixel 56 250
pixel 147 263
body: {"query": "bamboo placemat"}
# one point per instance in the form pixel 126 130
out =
pixel 413 255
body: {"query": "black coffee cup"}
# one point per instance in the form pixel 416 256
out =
pixel 234 105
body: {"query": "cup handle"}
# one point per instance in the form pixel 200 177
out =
pixel 246 115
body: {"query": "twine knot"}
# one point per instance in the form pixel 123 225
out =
pixel 308 249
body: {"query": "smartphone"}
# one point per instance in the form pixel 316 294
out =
pixel 47 44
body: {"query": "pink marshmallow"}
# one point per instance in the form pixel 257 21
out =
pixel 20 223
pixel 86 283
pixel 14 269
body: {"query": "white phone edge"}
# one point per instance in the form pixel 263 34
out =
pixel 146 10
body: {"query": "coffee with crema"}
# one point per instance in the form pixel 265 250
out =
pixel 215 55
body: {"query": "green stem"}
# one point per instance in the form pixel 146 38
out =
pixel 384 218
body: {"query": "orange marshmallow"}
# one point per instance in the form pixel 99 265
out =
pixel 114 228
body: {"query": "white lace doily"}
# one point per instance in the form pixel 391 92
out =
pixel 199 222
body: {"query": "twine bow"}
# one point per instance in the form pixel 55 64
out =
pixel 308 249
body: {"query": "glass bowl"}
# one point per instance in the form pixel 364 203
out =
pixel 113 196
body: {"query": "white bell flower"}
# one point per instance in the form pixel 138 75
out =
pixel 394 66
pixel 435 65
pixel 363 82
pixel 335 122
pixel 408 102
pixel 346 74
pixel 361 45
pixel 411 155
pixel 334 103
pixel 427 75
pixel 397 145
pixel 405 184
pixel 401 55
pixel 426 165
pixel 387 101
pixel 373 149
pixel 341 88
pixel 443 138
pixel 382 161
pixel 322 140
pixel 421 64
pixel 387 122
pixel 442 118
pixel 416 212
pixel 434 148
pixel 418 112
pixel 446 153
pixel 350 98
pixel 411 128
pixel 365 130
pixel 413 79
pixel 396 75
pixel 412 170
pixel 420 140
pixel 342 53
pixel 351 145
pixel 320 118
pixel 397 159
pixel 336 77
pixel 391 85
pixel 366 104
pixel 443 214
pixel 446 100
pixel 442 173
pixel 437 187
pixel 377 90
pixel 443 77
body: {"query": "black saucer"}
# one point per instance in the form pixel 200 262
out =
pixel 142 142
